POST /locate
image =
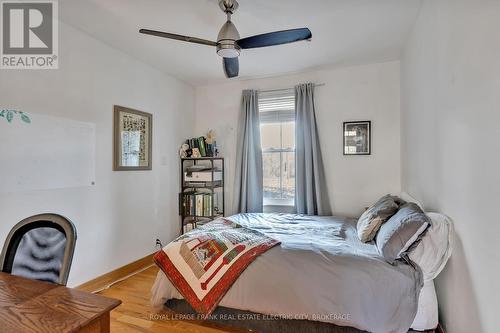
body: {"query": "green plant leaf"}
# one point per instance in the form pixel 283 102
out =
pixel 10 116
pixel 25 118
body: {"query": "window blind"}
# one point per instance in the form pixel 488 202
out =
pixel 277 106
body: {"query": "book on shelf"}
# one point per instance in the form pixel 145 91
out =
pixel 192 207
pixel 206 149
pixel 207 207
pixel 201 144
pixel 198 204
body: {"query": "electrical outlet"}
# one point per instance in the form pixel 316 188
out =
pixel 158 244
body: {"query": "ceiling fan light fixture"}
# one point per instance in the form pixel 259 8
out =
pixel 228 49
pixel 229 53
pixel 226 40
pixel 229 44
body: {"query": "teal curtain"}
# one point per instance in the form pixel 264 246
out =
pixel 311 195
pixel 248 191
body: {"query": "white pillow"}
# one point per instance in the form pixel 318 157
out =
pixel 435 248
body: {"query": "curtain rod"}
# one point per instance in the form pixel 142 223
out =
pixel 287 89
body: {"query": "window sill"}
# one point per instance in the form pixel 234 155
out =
pixel 279 202
pixel 279 206
pixel 279 209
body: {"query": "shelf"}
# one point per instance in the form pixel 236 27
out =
pixel 214 190
pixel 203 217
pixel 201 158
pixel 204 185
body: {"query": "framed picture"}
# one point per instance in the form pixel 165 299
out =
pixel 133 139
pixel 357 138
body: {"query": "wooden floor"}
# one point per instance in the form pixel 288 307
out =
pixel 134 314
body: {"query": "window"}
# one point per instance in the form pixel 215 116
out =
pixel 277 128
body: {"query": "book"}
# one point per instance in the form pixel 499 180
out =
pixel 208 205
pixel 182 204
pixel 199 205
pixel 201 146
pixel 210 150
pixel 192 205
pixel 185 204
pixel 205 202
pixel 215 203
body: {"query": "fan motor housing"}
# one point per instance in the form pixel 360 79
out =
pixel 226 41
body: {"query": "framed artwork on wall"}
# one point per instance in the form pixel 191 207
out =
pixel 357 137
pixel 132 139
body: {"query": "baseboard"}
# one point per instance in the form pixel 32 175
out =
pixel 106 280
pixel 440 329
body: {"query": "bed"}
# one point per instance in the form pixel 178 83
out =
pixel 321 275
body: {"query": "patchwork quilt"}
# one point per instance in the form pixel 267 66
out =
pixel 203 263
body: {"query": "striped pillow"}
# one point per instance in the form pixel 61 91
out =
pixel 371 220
pixel 402 231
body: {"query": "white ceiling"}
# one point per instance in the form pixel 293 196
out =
pixel 344 32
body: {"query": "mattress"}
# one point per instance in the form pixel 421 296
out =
pixel 427 313
pixel 321 272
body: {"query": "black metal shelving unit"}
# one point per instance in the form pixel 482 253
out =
pixel 214 188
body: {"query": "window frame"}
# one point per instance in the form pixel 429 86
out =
pixel 279 116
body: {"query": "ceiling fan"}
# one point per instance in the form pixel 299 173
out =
pixel 229 44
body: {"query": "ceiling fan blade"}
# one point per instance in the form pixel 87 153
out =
pixel 275 38
pixel 231 67
pixel 177 37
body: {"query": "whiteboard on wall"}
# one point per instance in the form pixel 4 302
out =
pixel 46 153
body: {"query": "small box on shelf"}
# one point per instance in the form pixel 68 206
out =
pixel 202 176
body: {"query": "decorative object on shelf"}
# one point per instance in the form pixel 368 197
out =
pixel 205 146
pixel 185 151
pixel 196 153
pixel 357 138
pixel 9 115
pixel 132 139
pixel 211 136
pixel 210 140
pixel 202 190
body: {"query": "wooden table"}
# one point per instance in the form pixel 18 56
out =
pixel 28 306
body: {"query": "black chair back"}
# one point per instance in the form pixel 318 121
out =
pixel 41 248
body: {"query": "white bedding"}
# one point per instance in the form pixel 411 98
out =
pixel 425 319
pixel 427 314
pixel 321 271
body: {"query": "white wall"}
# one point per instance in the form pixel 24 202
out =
pixel 450 145
pixel 120 217
pixel 367 92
